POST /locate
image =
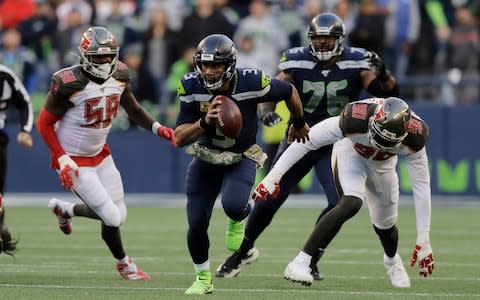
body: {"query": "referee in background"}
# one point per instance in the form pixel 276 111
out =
pixel 12 91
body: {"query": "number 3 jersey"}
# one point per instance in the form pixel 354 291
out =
pixel 325 90
pixel 84 128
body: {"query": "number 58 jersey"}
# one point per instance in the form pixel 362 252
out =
pixel 84 128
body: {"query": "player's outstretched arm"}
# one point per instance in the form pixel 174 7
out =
pixel 143 119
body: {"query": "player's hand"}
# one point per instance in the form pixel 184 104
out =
pixel 25 139
pixel 300 135
pixel 270 119
pixel 265 189
pixel 68 169
pixel 377 66
pixel 422 253
pixel 168 134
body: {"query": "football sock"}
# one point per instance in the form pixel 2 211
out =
pixel 83 210
pixel 389 239
pixel 123 260
pixel 202 266
pixel 111 236
pixel 246 245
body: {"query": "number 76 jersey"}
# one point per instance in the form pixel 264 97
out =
pixel 84 128
pixel 325 90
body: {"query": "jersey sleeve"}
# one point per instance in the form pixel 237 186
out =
pixel 122 73
pixel 66 82
pixel 417 134
pixel 189 108
pixel 417 166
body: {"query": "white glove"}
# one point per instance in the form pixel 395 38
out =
pixel 424 255
pixel 67 167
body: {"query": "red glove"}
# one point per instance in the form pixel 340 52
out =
pixel 264 191
pixel 164 132
pixel 423 254
pixel 67 168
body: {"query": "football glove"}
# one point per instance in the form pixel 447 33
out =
pixel 270 119
pixel 265 189
pixel 378 66
pixel 423 254
pixel 167 133
pixel 67 167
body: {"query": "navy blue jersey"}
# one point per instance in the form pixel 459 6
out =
pixel 325 90
pixel 249 87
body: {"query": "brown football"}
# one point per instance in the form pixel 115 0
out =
pixel 229 120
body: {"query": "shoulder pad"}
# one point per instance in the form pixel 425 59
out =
pixel 187 84
pixel 354 117
pixel 122 73
pixel 417 133
pixel 253 79
pixel 67 81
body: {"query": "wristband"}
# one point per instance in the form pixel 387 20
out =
pixel 203 123
pixel 298 122
pixel 155 127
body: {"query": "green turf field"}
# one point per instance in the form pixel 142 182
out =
pixel 50 265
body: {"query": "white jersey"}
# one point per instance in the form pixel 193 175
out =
pixel 84 128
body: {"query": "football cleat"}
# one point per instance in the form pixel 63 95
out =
pixel 130 271
pixel 300 273
pixel 202 285
pixel 395 270
pixel 315 273
pixel 234 235
pixel 231 267
pixel 64 220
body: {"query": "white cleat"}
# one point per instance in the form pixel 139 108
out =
pixel 395 270
pixel 59 209
pixel 300 273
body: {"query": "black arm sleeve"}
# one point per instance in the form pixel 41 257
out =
pixel 375 89
pixel 279 90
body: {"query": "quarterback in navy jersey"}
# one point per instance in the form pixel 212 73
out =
pixel 327 75
pixel 223 164
pixel 368 137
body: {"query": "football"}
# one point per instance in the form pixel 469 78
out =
pixel 229 120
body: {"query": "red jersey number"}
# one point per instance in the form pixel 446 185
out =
pixel 100 116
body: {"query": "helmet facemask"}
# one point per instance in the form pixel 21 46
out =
pixel 323 51
pixel 388 128
pixel 213 81
pixel 213 51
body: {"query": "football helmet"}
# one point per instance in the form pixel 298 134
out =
pixel 388 125
pixel 98 40
pixel 215 49
pixel 330 25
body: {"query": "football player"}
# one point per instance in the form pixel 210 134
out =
pixel 13 92
pixel 327 75
pixel 222 164
pixel 368 135
pixel 75 122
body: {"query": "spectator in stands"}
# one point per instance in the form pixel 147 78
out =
pixel 203 21
pixel 269 37
pixel 38 33
pixel 19 58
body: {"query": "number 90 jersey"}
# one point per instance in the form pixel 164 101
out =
pixel 249 87
pixel 325 90
pixel 83 129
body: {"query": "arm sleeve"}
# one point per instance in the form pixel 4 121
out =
pixel 417 165
pixel 45 126
pixel 324 133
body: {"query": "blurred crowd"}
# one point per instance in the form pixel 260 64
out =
pixel 431 46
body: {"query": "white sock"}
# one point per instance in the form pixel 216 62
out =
pixel 202 267
pixel 303 258
pixel 69 209
pixel 123 260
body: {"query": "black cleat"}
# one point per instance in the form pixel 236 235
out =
pixel 231 267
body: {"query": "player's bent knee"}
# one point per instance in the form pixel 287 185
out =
pixel 350 205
